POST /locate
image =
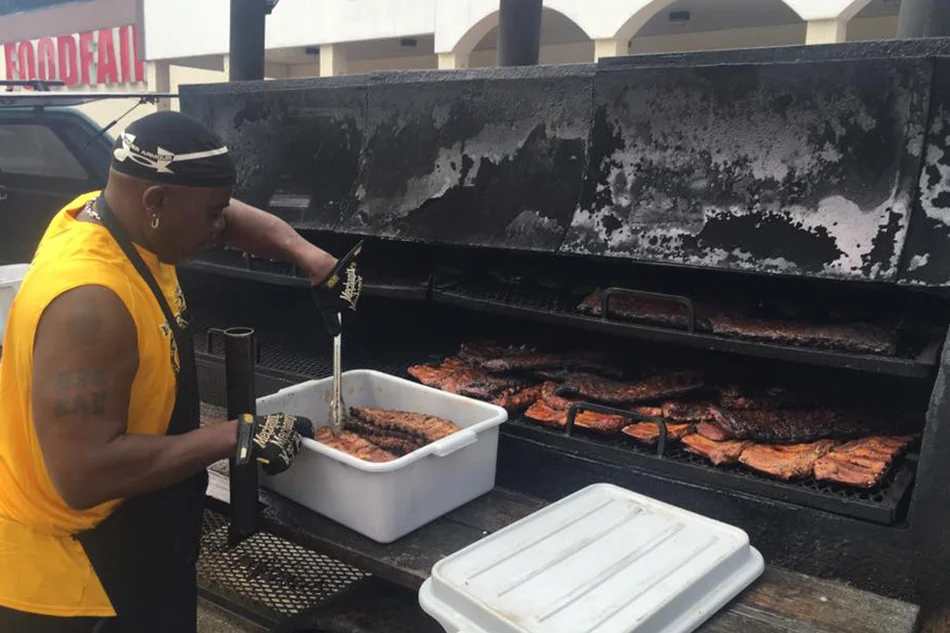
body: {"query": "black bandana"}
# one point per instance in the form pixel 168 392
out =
pixel 173 148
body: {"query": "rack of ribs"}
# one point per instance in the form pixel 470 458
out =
pixel 352 444
pixel 652 311
pixel 789 426
pixel 509 358
pixel 735 397
pixel 795 461
pixel 417 426
pixel 608 391
pixel 649 433
pixel 854 337
pixel 685 412
pixel 862 462
pixel 451 375
pixel 454 375
pixel 719 453
pixel 552 409
pixel 544 414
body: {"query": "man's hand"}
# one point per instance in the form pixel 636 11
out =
pixel 274 440
pixel 340 290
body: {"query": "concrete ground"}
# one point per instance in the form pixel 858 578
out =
pixel 212 619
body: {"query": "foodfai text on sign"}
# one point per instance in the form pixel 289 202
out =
pixel 100 57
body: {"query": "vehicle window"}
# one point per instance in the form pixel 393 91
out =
pixel 35 150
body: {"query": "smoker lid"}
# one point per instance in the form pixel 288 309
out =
pixel 602 560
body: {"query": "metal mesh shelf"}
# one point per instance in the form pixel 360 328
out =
pixel 280 578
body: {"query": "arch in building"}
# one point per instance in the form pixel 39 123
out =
pixel 487 19
pixel 633 22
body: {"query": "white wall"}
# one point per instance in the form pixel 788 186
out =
pixel 176 29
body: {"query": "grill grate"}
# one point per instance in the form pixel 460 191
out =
pixel 283 579
pixel 916 358
pixel 879 504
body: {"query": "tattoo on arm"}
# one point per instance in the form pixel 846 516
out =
pixel 80 392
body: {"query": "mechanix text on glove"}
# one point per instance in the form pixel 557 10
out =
pixel 340 291
pixel 274 440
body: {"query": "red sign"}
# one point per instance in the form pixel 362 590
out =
pixel 101 57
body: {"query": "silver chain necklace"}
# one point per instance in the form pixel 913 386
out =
pixel 92 213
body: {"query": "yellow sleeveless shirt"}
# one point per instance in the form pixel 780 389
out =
pixel 43 569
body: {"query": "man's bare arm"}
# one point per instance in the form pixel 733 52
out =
pixel 263 234
pixel 84 361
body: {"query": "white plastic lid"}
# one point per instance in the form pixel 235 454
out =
pixel 604 560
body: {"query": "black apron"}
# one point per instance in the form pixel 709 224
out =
pixel 144 553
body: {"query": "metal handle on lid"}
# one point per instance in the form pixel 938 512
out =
pixel 631 415
pixel 686 302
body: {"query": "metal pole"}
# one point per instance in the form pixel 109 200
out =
pixel 923 18
pixel 240 355
pixel 519 32
pixel 247 39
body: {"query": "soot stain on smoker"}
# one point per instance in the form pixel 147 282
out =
pixel 793 170
pixel 457 162
pixel 296 152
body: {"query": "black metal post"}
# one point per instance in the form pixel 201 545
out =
pixel 240 355
pixel 923 18
pixel 247 39
pixel 519 32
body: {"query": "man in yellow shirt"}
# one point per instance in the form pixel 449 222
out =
pixel 102 463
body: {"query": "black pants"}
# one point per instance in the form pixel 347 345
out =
pixel 12 621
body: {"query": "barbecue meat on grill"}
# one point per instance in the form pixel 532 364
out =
pixel 862 462
pixel 500 358
pixel 654 311
pixel 514 393
pixel 544 414
pixel 789 426
pixel 795 461
pixel 517 400
pixel 649 433
pixel 679 411
pixel 418 426
pixel 718 453
pixel 734 397
pixel 613 392
pixel 452 375
pixel 352 444
pixel 854 337
pixel 857 337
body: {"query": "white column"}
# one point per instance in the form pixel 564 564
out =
pixel 332 60
pixel 609 48
pixel 158 79
pixel 453 61
pixel 826 31
pixel 226 65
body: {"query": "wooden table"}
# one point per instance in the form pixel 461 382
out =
pixel 780 601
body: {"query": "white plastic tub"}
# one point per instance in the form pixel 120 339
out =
pixel 385 501
pixel 11 276
pixel 602 560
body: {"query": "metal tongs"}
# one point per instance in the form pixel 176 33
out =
pixel 337 406
pixel 344 273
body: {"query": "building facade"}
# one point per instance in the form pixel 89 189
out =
pixel 161 44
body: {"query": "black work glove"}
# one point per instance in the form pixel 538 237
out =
pixel 339 291
pixel 273 440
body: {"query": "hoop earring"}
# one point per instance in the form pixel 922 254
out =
pixel 155 222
